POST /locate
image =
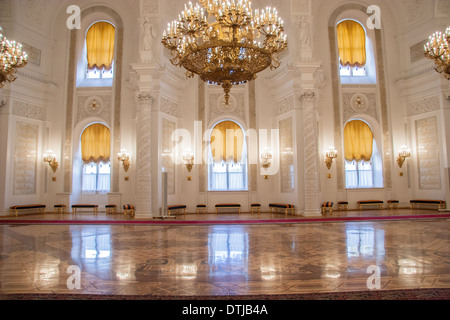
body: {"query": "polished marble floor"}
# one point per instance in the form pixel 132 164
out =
pixel 205 260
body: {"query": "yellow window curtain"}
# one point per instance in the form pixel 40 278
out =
pixel 96 144
pixel 352 44
pixel 100 46
pixel 227 142
pixel 358 141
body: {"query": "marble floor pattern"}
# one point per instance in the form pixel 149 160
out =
pixel 206 260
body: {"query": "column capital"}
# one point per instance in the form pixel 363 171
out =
pixel 145 98
pixel 309 95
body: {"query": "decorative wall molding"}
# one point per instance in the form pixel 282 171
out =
pixel 25 158
pixel 168 107
pixel 301 6
pixel 428 155
pixel 5 8
pixel 359 103
pixel 99 106
pixel 286 105
pixel 35 10
pixel 417 52
pixel 424 106
pixel 217 107
pixel 150 6
pixel 29 111
pixel 413 9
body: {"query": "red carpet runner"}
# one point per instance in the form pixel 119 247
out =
pixel 215 222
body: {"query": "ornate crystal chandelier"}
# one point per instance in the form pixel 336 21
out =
pixel 11 58
pixel 229 50
pixel 437 49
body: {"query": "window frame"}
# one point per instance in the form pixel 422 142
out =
pixel 97 174
pixel 243 163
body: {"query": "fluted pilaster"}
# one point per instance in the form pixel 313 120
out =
pixel 143 156
pixel 311 178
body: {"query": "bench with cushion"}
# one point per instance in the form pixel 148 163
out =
pixel 327 206
pixel 92 207
pixel 60 208
pixel 30 207
pixel 439 203
pixel 393 204
pixel 176 208
pixel 342 205
pixel 228 206
pixel 201 207
pixel 110 208
pixel 256 206
pixel 377 203
pixel 286 207
pixel 128 209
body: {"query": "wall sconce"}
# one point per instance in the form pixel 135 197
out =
pixel 266 160
pixel 402 155
pixel 189 162
pixel 124 156
pixel 330 155
pixel 50 158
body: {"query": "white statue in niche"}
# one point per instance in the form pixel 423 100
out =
pixel 147 37
pixel 305 34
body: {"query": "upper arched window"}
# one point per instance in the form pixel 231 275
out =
pixel 227 158
pixel 351 38
pixel 100 44
pixel 363 166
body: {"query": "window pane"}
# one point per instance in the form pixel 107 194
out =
pixel 359 72
pixel 345 71
pixel 93 74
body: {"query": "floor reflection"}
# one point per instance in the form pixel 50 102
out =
pixel 228 251
pixel 363 240
pixel 92 249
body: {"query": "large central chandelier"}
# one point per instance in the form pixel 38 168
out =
pixel 11 58
pixel 232 48
pixel 437 49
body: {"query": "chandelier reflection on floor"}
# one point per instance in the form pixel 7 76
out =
pixel 437 49
pixel 230 50
pixel 11 58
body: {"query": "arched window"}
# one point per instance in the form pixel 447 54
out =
pixel 100 44
pixel 227 158
pixel 363 168
pixel 96 153
pixel 352 48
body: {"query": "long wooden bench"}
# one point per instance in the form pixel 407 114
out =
pixel 14 210
pixel 377 203
pixel 77 207
pixel 176 208
pixel 286 207
pixel 439 203
pixel 228 206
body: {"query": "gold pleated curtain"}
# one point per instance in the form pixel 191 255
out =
pixel 227 142
pixel 358 141
pixel 352 44
pixel 100 46
pixel 96 144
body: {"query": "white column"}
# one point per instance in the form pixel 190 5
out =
pixel 143 157
pixel 311 154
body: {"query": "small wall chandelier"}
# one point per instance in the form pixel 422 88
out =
pixel 230 50
pixel 11 58
pixel 437 49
